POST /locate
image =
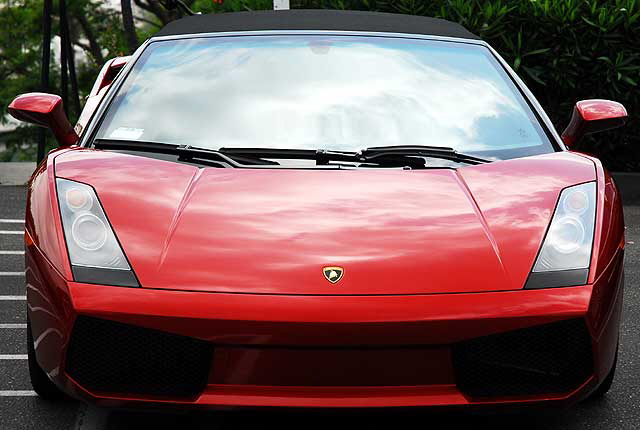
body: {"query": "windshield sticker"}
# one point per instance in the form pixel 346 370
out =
pixel 128 133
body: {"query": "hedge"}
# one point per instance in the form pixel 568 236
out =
pixel 565 50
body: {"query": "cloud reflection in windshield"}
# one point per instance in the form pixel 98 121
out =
pixel 342 93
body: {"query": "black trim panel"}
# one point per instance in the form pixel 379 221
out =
pixel 315 19
pixel 99 275
pixel 106 356
pixel 557 278
pixel 543 359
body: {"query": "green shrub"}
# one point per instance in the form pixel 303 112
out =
pixel 565 50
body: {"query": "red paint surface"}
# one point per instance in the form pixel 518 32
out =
pixel 338 326
pixel 591 116
pixel 272 231
pixel 405 238
pixel 44 110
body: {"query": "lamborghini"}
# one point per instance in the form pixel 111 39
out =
pixel 320 209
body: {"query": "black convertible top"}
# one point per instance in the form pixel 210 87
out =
pixel 316 19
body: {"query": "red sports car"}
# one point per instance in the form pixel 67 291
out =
pixel 320 209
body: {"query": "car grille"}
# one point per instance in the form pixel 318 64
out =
pixel 550 358
pixel 108 356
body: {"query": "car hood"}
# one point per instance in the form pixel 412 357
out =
pixel 271 231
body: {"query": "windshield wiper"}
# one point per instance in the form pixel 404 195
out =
pixel 184 152
pixel 383 156
pixel 323 157
pixel 389 156
pixel 377 153
pixel 320 156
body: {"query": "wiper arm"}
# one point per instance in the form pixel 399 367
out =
pixel 187 152
pixel 404 155
pixel 373 153
pixel 184 152
pixel 395 156
pixel 320 156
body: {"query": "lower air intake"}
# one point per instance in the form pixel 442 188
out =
pixel 550 358
pixel 107 356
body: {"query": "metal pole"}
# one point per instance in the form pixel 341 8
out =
pixel 44 70
pixel 64 23
pixel 63 57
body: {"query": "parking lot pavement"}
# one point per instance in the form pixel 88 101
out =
pixel 19 409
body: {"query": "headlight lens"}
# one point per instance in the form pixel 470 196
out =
pixel 568 242
pixel 566 235
pixel 89 232
pixel 90 239
pixel 565 255
pixel 78 199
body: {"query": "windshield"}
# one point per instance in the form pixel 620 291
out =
pixel 323 92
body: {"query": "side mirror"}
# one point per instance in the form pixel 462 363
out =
pixel 44 110
pixel 592 116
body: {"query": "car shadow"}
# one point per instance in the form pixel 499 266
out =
pixel 577 417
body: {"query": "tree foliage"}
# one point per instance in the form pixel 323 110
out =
pixel 565 50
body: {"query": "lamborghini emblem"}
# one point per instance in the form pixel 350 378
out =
pixel 333 273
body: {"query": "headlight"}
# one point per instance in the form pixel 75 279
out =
pixel 94 252
pixel 566 251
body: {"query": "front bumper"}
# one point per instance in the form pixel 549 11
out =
pixel 321 351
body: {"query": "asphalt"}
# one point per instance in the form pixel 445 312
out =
pixel 620 409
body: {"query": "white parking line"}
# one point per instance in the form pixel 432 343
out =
pixel 11 231
pixel 13 326
pixel 11 273
pixel 17 393
pixel 12 221
pixel 11 252
pixel 12 298
pixel 13 356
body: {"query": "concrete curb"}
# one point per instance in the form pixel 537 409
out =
pixel 16 173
